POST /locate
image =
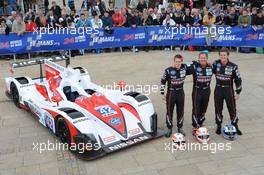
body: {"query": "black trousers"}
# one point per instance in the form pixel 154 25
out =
pixel 175 97
pixel 200 100
pixel 226 94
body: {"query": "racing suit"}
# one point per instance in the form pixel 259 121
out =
pixel 201 92
pixel 226 76
pixel 175 93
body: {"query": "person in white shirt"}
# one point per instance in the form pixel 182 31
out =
pixel 96 21
pixel 168 21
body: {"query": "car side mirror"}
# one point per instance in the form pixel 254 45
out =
pixel 56 98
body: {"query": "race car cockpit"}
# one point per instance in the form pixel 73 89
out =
pixel 70 95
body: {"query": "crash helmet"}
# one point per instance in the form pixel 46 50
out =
pixel 178 141
pixel 229 132
pixel 202 135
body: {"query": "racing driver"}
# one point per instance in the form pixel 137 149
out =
pixel 202 74
pixel 174 76
pixel 226 74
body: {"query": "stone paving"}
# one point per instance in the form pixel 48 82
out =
pixel 19 129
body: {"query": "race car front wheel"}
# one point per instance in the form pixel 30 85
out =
pixel 63 131
pixel 14 94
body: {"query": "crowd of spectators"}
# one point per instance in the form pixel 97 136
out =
pixel 96 14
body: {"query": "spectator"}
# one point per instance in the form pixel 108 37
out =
pixel 208 19
pixel 83 22
pixel 86 13
pixel 72 15
pixel 244 20
pixel 152 14
pixel 2 5
pixel 178 19
pixel 258 22
pixel 101 6
pixel 12 5
pixel 87 5
pixel 46 4
pixel 142 5
pixel 187 18
pixel 197 18
pixel 168 21
pixel 107 21
pixel 127 15
pixel 257 3
pixel 118 18
pixel 147 20
pixel 9 22
pixel 61 23
pixel 30 14
pixel 221 19
pixel 51 19
pixel 31 26
pixel 13 16
pixel 70 24
pixel 65 10
pixel 134 20
pixel 254 13
pixel 158 21
pixel 232 17
pixel 56 9
pixel 204 11
pixel 19 26
pixel 71 5
pixel 41 21
pixel 96 21
pixel 215 9
pixel 111 9
pixel 4 29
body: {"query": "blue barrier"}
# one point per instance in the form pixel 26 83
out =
pixel 126 37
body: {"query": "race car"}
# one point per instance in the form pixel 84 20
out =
pixel 90 119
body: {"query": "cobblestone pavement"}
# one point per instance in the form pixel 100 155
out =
pixel 19 129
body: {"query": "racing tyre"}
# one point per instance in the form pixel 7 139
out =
pixel 154 124
pixel 63 131
pixel 15 95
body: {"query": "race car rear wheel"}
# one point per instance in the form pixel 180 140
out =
pixel 63 131
pixel 14 94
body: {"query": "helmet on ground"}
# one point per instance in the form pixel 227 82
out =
pixel 178 140
pixel 202 135
pixel 229 132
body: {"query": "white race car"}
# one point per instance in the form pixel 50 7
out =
pixel 93 120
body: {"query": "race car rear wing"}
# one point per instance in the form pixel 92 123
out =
pixel 40 62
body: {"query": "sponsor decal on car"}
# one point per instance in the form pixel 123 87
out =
pixel 27 85
pixel 34 108
pixel 115 121
pixel 105 110
pixel 54 66
pixel 109 139
pixel 134 131
pixel 128 143
pixel 80 120
pixel 144 103
pixel 49 121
